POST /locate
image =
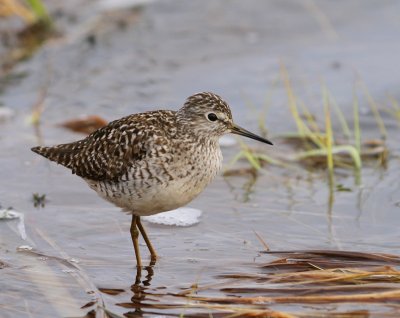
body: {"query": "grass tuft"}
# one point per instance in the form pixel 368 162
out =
pixel 315 145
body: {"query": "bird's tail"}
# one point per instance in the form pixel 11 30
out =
pixel 62 154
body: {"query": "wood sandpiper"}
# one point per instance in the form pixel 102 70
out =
pixel 155 161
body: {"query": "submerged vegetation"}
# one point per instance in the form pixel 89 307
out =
pixel 314 277
pixel 299 283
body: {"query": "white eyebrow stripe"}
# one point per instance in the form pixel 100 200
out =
pixel 222 116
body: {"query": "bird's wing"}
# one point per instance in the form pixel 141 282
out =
pixel 108 153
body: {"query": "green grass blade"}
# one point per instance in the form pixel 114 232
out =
pixel 236 158
pixel 329 142
pixel 353 152
pixel 292 99
pixel 356 123
pixel 255 163
pixel 270 160
pixel 40 11
pixel 309 117
pixel 395 111
pixel 340 116
pixel 302 127
pixel 350 150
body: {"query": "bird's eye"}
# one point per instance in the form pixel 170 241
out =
pixel 212 117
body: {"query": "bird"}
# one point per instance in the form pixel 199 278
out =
pixel 152 162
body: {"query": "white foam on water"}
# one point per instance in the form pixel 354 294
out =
pixel 121 4
pixel 179 217
pixel 9 214
pixel 68 270
pixel 24 248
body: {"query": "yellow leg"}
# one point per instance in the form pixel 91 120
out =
pixel 146 239
pixel 135 240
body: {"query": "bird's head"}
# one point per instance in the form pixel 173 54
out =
pixel 208 115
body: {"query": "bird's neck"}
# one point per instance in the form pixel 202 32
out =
pixel 194 137
pixel 196 133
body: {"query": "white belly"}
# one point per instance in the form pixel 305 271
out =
pixel 161 198
pixel 152 196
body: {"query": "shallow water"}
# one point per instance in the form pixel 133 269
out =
pixel 81 244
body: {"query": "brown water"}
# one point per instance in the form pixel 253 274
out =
pixel 153 57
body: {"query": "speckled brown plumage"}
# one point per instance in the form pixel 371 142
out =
pixel 107 153
pixel 155 161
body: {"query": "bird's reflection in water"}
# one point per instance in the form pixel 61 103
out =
pixel 139 289
pixel 150 272
pixel 146 300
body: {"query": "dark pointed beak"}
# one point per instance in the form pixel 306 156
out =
pixel 243 132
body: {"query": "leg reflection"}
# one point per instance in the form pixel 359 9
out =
pixel 150 272
pixel 139 287
pixel 149 276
